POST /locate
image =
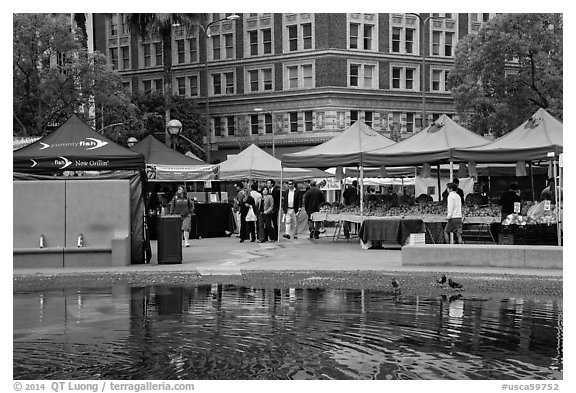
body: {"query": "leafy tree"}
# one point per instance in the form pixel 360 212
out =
pixel 512 67
pixel 162 25
pixel 54 76
pixel 150 109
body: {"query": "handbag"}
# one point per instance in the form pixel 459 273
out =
pixel 250 216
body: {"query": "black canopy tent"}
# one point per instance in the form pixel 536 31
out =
pixel 75 146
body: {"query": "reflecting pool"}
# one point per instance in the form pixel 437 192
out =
pixel 229 332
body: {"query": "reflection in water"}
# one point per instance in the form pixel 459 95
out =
pixel 228 332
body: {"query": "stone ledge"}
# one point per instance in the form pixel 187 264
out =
pixel 510 256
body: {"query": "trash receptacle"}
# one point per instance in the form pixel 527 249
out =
pixel 169 239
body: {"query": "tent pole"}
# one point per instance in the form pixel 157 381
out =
pixel 451 170
pixel 439 191
pixel 280 210
pixel 556 200
pixel 361 189
pixel 532 180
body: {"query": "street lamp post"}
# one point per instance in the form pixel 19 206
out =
pixel 174 127
pixel 205 31
pixel 423 72
pixel 273 128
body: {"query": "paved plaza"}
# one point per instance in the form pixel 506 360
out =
pixel 226 256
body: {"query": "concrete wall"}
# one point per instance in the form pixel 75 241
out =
pixel 522 257
pixel 62 210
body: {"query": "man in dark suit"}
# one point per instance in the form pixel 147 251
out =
pixel 312 200
pixel 275 192
pixel 291 202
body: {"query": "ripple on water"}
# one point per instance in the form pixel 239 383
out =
pixel 227 332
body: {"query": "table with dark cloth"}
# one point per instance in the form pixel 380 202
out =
pixel 213 220
pixel 389 230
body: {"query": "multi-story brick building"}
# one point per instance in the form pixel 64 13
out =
pixel 314 74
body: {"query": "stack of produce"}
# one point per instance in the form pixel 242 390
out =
pixel 419 209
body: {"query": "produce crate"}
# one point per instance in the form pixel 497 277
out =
pixel 417 238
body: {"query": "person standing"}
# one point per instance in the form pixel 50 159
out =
pixel 238 203
pixel 183 206
pixel 275 192
pixel 291 202
pixel 266 213
pixel 454 215
pixel 458 191
pixel 249 225
pixel 312 200
pixel 350 198
pixel 548 193
pixel 257 198
pixel 509 199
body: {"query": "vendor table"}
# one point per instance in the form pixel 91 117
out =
pixel 395 229
pixel 389 230
pixel 213 220
pixel 210 220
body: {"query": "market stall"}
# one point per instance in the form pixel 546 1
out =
pixel 166 166
pixel 538 139
pixel 345 149
pixel 82 175
pixel 254 163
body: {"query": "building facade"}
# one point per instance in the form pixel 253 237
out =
pixel 311 75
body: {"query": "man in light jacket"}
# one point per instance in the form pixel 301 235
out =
pixel 454 215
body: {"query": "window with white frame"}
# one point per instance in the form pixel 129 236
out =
pixel 259 80
pixel 443 43
pixel 217 126
pixel 403 34
pixel 147 86
pixel 404 77
pixel 193 49
pixel 298 29
pixel 267 41
pixel 158 85
pixel 222 46
pixel 354 116
pixel 114 25
pixel 114 57
pixel 308 124
pixel 253 39
pixel 260 42
pixel 362 75
pixel 229 45
pixel 146 50
pixel 158 53
pixel 403 39
pixel 222 83
pixel 181 86
pixel 268 123
pixel 293 121
pixel 216 47
pixel 299 76
pixel 180 52
pixel 361 35
pixel 410 122
pixel 193 82
pixel 368 118
pixel 125 57
pixel 439 80
pixel 254 124
pixel 230 125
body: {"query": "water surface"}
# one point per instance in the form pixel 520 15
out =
pixel 228 332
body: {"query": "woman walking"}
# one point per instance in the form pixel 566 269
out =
pixel 183 206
